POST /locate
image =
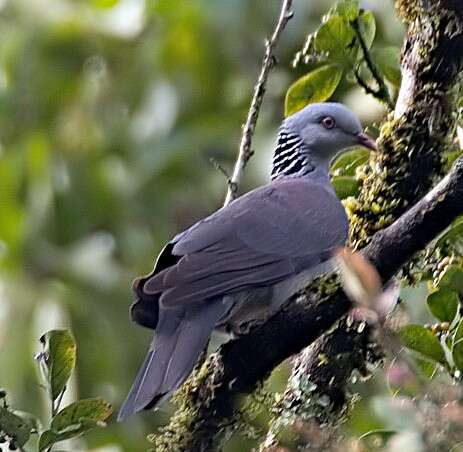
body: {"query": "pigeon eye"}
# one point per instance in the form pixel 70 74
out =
pixel 328 122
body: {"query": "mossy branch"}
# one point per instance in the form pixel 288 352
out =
pixel 413 141
pixel 207 401
pixel 410 154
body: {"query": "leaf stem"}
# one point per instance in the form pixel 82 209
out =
pixel 382 93
pixel 368 89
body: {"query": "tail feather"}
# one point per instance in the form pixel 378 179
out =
pixel 145 309
pixel 180 336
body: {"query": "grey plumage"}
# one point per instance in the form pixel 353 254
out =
pixel 238 265
pixel 169 359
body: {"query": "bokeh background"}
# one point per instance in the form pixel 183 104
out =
pixel 109 113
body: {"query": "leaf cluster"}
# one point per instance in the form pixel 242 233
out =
pixel 441 343
pixel 342 47
pixel 56 361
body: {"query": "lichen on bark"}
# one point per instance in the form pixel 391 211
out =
pixel 198 394
pixel 315 395
pixel 415 138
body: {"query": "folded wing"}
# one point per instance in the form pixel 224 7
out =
pixel 259 240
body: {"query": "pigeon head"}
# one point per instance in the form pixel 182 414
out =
pixel 309 139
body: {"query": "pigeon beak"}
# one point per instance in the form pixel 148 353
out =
pixel 364 140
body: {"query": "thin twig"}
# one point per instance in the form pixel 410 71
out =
pixel 382 93
pixel 268 63
pixel 222 170
pixel 368 89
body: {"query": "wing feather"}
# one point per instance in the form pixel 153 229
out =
pixel 260 239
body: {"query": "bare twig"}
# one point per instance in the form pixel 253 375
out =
pixel 368 89
pixel 268 63
pixel 224 172
pixel 382 93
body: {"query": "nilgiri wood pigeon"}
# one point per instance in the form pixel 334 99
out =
pixel 237 266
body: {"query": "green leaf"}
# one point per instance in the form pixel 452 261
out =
pixel 426 367
pixel 335 38
pixel 443 304
pixel 30 419
pixel 316 86
pixel 50 437
pixel 75 419
pixel 347 162
pixel 453 234
pixel 15 426
pixel 388 62
pixel 345 186
pixel 60 350
pixel 452 279
pixel 457 347
pixel 421 340
pixel 367 25
pixel 349 9
pixel 92 409
pixel 47 439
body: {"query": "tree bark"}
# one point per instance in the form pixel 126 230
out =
pixel 411 148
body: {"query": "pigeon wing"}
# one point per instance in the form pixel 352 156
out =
pixel 260 239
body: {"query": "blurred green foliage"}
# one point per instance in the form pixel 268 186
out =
pixel 109 113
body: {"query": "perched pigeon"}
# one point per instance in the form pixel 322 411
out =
pixel 237 266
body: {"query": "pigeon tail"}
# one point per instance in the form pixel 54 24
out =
pixel 180 337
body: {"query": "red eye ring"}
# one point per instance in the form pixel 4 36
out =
pixel 328 122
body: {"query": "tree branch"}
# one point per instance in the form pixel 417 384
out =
pixel 245 151
pixel 208 398
pixel 410 153
pixel 409 158
pixel 316 387
pixel 367 88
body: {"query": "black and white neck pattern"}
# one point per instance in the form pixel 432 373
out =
pixel 290 158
